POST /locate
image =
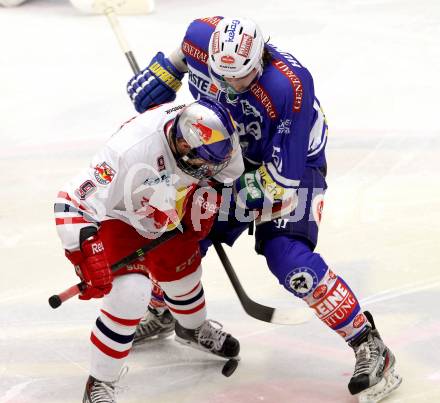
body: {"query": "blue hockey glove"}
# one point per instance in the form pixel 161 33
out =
pixel 155 85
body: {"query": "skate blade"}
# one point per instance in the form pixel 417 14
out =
pixel 380 391
pixel 149 339
pixel 201 348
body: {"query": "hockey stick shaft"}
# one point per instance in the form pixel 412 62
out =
pixel 114 23
pixel 56 300
pixel 252 308
pixel 286 316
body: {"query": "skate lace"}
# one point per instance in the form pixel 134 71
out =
pixel 105 392
pixel 211 335
pixel 366 355
pixel 150 324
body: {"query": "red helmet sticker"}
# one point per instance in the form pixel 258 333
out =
pixel 215 42
pixel 227 59
pixel 245 45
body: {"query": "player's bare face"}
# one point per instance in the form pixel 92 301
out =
pixel 243 83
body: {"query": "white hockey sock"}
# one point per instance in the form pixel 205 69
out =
pixel 186 300
pixel 112 335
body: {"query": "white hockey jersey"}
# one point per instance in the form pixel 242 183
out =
pixel 131 179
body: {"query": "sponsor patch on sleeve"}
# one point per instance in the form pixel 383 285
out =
pixel 104 173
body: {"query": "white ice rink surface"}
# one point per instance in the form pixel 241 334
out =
pixel 376 65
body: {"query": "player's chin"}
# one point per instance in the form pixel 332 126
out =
pixel 241 89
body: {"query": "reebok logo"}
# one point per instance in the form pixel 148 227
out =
pixel 97 248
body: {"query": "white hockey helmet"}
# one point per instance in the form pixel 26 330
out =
pixel 235 50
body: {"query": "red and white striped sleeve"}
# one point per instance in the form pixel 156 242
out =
pixel 89 197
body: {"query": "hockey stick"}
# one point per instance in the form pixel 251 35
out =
pixel 116 28
pixel 56 300
pixel 114 23
pixel 112 7
pixel 286 316
pixel 261 312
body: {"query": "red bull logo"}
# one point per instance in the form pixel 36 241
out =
pixel 206 134
pixel 104 173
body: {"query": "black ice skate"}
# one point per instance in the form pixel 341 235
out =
pixel 154 325
pixel 210 338
pixel 99 392
pixel 374 375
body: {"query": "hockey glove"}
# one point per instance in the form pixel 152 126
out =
pixel 256 191
pixel 155 85
pixel 92 267
pixel 201 212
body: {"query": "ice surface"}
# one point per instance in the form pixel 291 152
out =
pixel 375 65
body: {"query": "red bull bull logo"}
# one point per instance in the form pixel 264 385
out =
pixel 104 173
pixel 206 134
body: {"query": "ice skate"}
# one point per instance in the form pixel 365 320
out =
pixel 374 375
pixel 154 325
pixel 99 392
pixel 210 338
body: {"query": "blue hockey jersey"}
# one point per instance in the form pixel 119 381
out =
pixel 280 121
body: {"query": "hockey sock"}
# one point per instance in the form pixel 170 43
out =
pixel 186 300
pixel 113 333
pixel 336 305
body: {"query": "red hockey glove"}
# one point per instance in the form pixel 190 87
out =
pixel 201 212
pixel 92 267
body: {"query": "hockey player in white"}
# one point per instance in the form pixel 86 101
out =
pixel 151 176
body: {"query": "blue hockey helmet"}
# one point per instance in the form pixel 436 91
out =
pixel 209 130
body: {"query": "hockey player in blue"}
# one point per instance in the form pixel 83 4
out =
pixel 283 134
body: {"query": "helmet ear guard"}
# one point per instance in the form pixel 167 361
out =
pixel 209 130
